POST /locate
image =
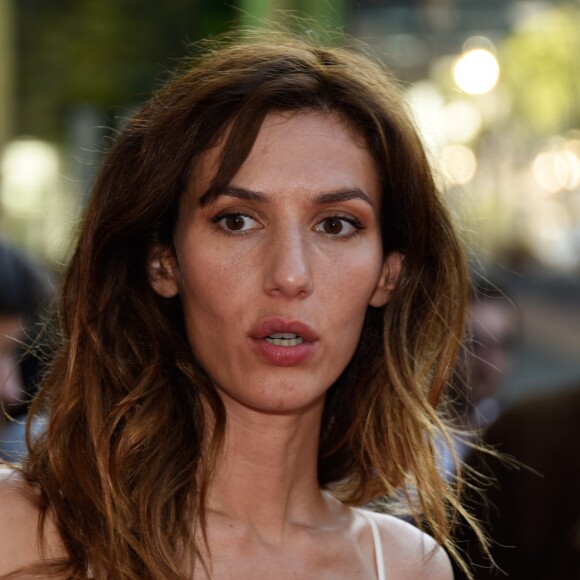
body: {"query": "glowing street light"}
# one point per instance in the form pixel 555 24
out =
pixel 476 71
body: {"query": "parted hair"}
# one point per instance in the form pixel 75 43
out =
pixel 134 423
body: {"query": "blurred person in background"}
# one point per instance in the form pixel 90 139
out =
pixel 531 509
pixel 258 325
pixel 494 330
pixel 25 293
pixel 528 495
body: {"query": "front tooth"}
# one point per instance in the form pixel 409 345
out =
pixel 283 335
pixel 285 341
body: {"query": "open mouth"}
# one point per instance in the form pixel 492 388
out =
pixel 284 339
pixel 284 342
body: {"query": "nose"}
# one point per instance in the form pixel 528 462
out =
pixel 288 268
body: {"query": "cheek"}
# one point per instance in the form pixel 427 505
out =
pixel 214 287
pixel 351 279
pixel 345 301
pixel 205 282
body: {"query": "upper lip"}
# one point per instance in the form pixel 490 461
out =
pixel 279 324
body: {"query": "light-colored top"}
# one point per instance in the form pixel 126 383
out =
pixel 377 544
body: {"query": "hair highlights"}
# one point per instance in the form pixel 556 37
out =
pixel 123 467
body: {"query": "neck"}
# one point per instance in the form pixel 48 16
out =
pixel 267 475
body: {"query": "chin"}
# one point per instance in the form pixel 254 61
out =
pixel 279 400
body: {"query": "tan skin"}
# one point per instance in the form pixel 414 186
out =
pixel 296 240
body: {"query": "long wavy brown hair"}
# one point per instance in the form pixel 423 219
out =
pixel 121 468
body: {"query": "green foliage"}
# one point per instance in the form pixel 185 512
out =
pixel 110 54
pixel 541 67
pixel 106 53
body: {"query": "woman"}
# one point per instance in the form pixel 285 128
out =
pixel 258 323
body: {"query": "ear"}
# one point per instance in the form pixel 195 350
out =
pixel 388 280
pixel 162 271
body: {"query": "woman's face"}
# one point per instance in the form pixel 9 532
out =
pixel 276 273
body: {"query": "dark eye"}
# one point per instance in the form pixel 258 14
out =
pixel 332 226
pixel 337 226
pixel 237 222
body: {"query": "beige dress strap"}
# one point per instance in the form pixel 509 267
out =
pixel 378 546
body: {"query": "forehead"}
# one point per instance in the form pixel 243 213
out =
pixel 301 151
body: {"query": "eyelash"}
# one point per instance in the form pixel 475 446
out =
pixel 224 215
pixel 352 221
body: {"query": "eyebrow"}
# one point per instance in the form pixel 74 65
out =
pixel 343 195
pixel 232 191
pixel 321 199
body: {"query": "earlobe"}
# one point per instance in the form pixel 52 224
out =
pixel 162 271
pixel 388 280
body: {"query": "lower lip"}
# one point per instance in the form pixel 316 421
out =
pixel 284 356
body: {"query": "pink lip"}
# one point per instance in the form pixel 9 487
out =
pixel 284 356
pixel 278 324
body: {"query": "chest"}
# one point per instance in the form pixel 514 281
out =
pixel 324 557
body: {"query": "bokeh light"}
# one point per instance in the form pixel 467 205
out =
pixel 461 121
pixel 557 169
pixel 476 71
pixel 28 167
pixel 427 103
pixel 458 164
pixel 553 238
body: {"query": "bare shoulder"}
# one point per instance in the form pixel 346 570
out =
pixel 18 524
pixel 410 553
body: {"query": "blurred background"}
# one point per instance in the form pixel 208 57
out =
pixel 494 86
